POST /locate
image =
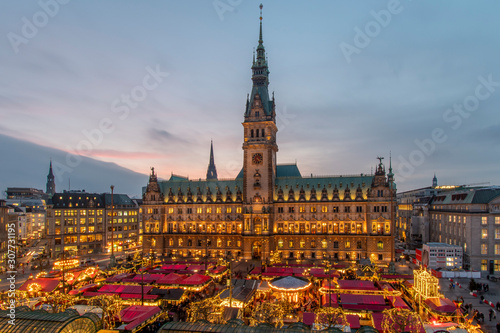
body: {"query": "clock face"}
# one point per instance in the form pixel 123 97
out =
pixel 257 158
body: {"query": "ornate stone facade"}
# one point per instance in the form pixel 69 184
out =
pixel 268 206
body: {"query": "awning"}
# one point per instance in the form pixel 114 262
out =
pixel 147 278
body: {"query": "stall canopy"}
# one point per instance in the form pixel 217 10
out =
pixel 363 302
pixel 442 305
pixel 398 302
pixel 171 278
pixel 196 280
pixel 133 316
pixel 46 285
pixel 356 284
pixel 333 301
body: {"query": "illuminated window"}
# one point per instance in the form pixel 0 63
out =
pixel 484 220
pixel 497 219
pixel 290 244
pixel 324 209
pixel 484 264
pixel 280 243
pixel 218 210
pixel 324 244
pixel 380 245
pixel 313 209
pixel 238 210
pixel 209 210
pixel 228 210
pixel 313 243
pixel 302 244
pixel 484 233
pixel 82 229
pixel 170 210
pixel 497 248
pixel 484 248
pixel 302 209
pixel 347 244
pixel 496 266
pixel 199 210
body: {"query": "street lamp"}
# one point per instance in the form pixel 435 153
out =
pixel 112 260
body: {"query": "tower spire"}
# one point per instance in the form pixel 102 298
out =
pixel 51 184
pixel 211 171
pixel 260 78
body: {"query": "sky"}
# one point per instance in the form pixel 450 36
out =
pixel 150 83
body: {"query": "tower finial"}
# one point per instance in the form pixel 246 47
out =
pixel 260 34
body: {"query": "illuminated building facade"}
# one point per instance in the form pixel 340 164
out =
pixel 269 206
pixel 80 223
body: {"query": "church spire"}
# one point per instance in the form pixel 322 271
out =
pixel 51 185
pixel 390 175
pixel 212 171
pixel 259 98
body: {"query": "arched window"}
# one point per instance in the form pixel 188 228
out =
pixel 263 135
pixel 380 245
pixel 251 133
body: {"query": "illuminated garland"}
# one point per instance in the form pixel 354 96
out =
pixel 111 306
pixel 66 264
pixel 60 302
pixel 271 313
pixel 328 317
pixel 401 320
pixel 34 287
pixel 210 309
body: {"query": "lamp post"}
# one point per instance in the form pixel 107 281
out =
pixel 329 279
pixel 230 282
pixel 112 260
pixel 206 255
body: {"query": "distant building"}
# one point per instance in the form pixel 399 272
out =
pixel 80 223
pixel 412 224
pixel 4 221
pixel 442 255
pixel 51 184
pixel 24 193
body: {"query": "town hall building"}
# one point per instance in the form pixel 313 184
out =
pixel 270 206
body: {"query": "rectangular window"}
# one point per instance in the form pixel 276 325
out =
pixel 228 210
pixel 189 210
pixel 484 264
pixel 291 209
pixel 199 210
pixel 497 219
pixel 313 209
pixel 335 245
pixel 347 244
pixel 280 209
pixel 302 209
pixel 484 248
pixel 376 209
pixel 335 209
pixel 484 220
pixel 218 210
pixel 238 210
pixel 497 248
pixel 484 233
pixel 324 209
pixel 209 210
pixel 496 266
pixel 347 209
pixel 359 209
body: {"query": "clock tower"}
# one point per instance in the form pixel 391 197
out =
pixel 259 149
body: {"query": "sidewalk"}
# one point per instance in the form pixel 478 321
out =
pixel 493 295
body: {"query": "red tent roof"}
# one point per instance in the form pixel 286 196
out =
pixel 308 318
pixel 135 315
pixel 356 284
pixel 108 288
pixel 47 284
pixel 362 299
pixel 326 300
pixel 443 305
pixel 196 279
pixel 171 278
pixel 119 277
pixel 138 296
pixel 132 289
pixel 148 278
pixel 397 302
pixel 218 270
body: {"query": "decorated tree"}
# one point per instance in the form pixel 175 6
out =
pixel 210 309
pixel 111 306
pixel 271 313
pixel 328 317
pixel 60 301
pixel 401 320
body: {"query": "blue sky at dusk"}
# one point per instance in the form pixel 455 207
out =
pixel 353 80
